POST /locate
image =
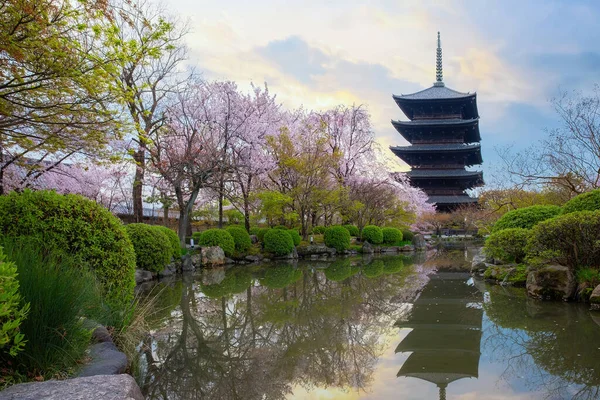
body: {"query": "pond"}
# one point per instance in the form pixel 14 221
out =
pixel 374 328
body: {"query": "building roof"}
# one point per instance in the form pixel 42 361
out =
pixel 452 199
pixel 435 93
pixel 447 147
pixel 430 123
pixel 444 173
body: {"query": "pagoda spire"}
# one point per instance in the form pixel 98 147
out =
pixel 439 76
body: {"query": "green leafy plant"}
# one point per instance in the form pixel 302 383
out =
pixel 571 239
pixel 526 217
pixel 508 245
pixel 589 201
pixel 295 236
pixel 12 312
pixel 391 235
pixel 173 240
pixel 353 230
pixel 407 235
pixel 241 238
pixel 372 234
pixel 261 233
pixel 153 250
pixel 337 237
pixel 278 242
pixel 318 230
pixel 77 226
pixel 216 237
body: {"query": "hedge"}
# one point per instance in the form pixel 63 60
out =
pixel 278 242
pixel 260 234
pixel 337 237
pixel 318 230
pixel 173 240
pixel 372 234
pixel 241 238
pixel 572 240
pixel 353 230
pixel 79 227
pixel 526 217
pixel 216 237
pixel 295 236
pixel 153 250
pixel 407 235
pixel 508 245
pixel 589 201
pixel 391 235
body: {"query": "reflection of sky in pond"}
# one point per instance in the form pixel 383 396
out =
pixel 337 331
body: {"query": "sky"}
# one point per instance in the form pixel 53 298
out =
pixel 517 56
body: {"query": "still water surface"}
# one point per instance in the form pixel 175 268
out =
pixel 392 327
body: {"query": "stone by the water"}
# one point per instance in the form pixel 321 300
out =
pixel 554 282
pixel 106 360
pixel 99 387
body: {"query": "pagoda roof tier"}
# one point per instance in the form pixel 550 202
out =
pixel 433 154
pixel 451 200
pixel 451 128
pixel 443 174
pixel 436 102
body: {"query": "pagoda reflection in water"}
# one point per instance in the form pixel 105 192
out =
pixel 445 339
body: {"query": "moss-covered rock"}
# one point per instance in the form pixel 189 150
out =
pixel 554 282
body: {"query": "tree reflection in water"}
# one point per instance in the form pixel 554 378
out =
pixel 259 332
pixel 554 346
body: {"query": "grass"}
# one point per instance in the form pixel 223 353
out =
pixel 60 293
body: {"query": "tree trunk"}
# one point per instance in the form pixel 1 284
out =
pixel 246 213
pixel 138 184
pixel 221 190
pixel 166 216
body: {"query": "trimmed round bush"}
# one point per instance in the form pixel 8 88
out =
pixel 295 236
pixel 152 248
pixel 260 234
pixel 572 240
pixel 589 201
pixel 278 242
pixel 372 234
pixel 217 237
pixel 283 227
pixel 526 217
pixel 318 230
pixel 391 235
pixel 79 227
pixel 241 238
pixel 407 235
pixel 508 245
pixel 173 240
pixel 353 230
pixel 254 230
pixel 337 237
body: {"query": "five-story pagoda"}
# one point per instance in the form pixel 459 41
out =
pixel 444 133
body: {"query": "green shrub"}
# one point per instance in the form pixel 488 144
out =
pixel 391 235
pixel 254 230
pixel 295 236
pixel 589 201
pixel 173 240
pixel 241 238
pixel 572 240
pixel 407 235
pixel 526 217
pixel 261 233
pixel 77 226
pixel 216 237
pixel 318 230
pixel 153 250
pixel 508 245
pixel 372 234
pixel 60 292
pixel 282 227
pixel 353 230
pixel 337 237
pixel 279 242
pixel 12 312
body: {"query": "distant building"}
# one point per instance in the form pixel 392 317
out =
pixel 444 134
